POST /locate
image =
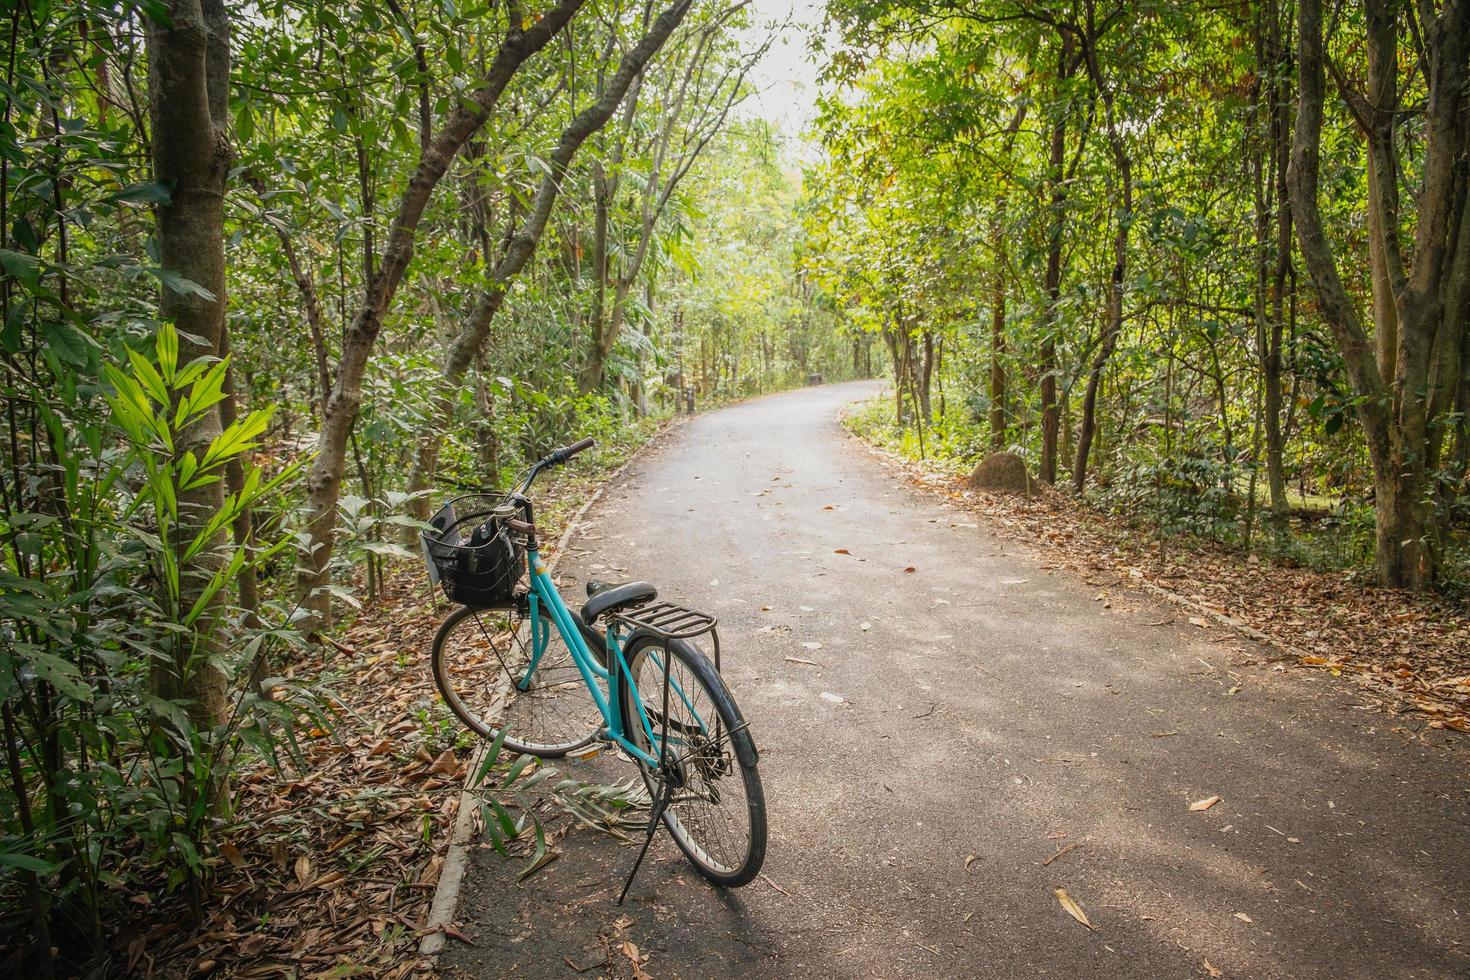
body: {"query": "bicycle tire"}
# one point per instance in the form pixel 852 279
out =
pixel 732 751
pixel 455 671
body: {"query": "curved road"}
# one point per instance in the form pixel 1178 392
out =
pixel 990 715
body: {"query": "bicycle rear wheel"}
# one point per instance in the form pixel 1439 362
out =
pixel 480 658
pixel 717 809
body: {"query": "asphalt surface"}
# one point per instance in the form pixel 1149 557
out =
pixel 993 712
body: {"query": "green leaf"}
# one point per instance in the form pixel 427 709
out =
pixel 516 768
pixel 488 763
pixel 148 377
pixel 63 676
pixel 26 268
pixel 166 345
pixel 502 815
pixel 340 591
pixel 28 862
pixel 244 124
pixel 538 853
pixel 12 333
pixel 388 549
pixel 181 284
pixel 70 345
pixel 147 192
pixel 487 817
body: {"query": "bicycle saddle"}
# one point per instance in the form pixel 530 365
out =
pixel 605 597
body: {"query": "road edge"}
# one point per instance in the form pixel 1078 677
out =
pixel 898 465
pixel 456 858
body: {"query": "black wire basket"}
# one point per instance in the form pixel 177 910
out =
pixel 472 555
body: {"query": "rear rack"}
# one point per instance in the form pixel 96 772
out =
pixel 671 621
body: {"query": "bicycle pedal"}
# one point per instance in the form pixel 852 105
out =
pixel 585 753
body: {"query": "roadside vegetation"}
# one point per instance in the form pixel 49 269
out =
pixel 1204 265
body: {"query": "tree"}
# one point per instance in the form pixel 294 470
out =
pixel 522 242
pixel 1407 375
pixel 188 71
pixel 324 481
pixel 692 100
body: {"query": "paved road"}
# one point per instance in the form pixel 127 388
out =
pixel 993 714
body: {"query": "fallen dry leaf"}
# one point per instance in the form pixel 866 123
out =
pixel 1072 908
pixel 635 958
pixel 1204 804
pixel 1243 917
pixel 1211 969
pixel 232 854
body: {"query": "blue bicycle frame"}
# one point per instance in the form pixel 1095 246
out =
pixel 594 674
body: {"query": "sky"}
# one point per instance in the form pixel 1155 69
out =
pixel 786 78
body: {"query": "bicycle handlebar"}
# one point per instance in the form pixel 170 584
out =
pixel 565 453
pixel 555 458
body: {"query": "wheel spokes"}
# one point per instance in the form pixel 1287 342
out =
pixel 488 669
pixel 710 811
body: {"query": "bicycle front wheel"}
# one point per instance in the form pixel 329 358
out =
pixel 717 809
pixel 481 659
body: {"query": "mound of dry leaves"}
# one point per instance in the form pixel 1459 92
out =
pixel 1413 649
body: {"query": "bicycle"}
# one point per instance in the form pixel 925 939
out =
pixel 639 684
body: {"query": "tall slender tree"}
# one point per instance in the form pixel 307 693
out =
pixel 1405 372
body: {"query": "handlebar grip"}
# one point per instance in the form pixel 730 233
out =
pixel 567 452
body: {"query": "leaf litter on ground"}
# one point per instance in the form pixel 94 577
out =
pixel 330 866
pixel 1410 651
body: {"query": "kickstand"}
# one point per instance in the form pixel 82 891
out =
pixel 665 791
pixel 666 784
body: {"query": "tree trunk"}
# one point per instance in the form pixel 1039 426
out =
pixel 188 73
pixel 998 297
pixel 1278 65
pixel 640 385
pixel 1050 412
pixel 324 479
pixel 1396 417
pixel 467 344
pixel 998 339
pixel 593 369
pixel 1051 285
pixel 1113 329
pixel 704 120
pixel 896 356
pixel 926 378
